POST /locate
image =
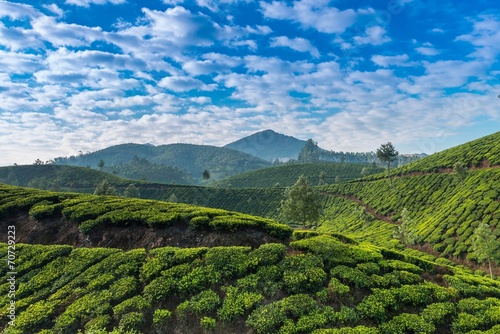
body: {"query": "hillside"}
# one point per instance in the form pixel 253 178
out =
pixel 305 283
pixel 287 174
pixel 193 159
pixel 269 145
pixel 482 152
pixel 59 177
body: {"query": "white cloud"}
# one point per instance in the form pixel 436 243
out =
pixel 181 27
pixel 427 51
pixel 87 3
pixel 212 63
pixel 387 61
pixel 183 84
pixel 64 34
pixel 17 11
pixel 298 44
pixel 311 14
pixel 485 37
pixel 375 35
pixel 54 9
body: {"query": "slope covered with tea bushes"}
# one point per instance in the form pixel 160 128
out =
pixel 286 175
pixel 444 208
pixel 312 285
pixel 91 212
pixel 484 151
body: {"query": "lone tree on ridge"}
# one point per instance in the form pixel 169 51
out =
pixel 387 153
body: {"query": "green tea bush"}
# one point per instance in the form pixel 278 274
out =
pixel 267 254
pixel 229 261
pixel 202 303
pixel 237 302
pixel 438 313
pixel 405 322
pixel 208 324
pixel 131 321
pixel 161 316
pixel 351 276
pixel 136 303
pixel 303 273
pixel 348 330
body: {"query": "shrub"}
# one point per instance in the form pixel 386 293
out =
pixel 229 261
pixel 268 254
pixel 438 313
pixel 303 273
pixel 204 302
pixel 136 303
pixel 405 322
pixel 131 321
pixel 161 316
pixel 352 276
pixel 237 302
pixel 208 324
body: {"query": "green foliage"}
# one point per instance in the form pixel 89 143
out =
pixel 286 175
pixel 161 316
pixel 301 204
pixel 485 246
pixel 303 273
pixel 208 324
pixel 202 303
pixel 131 321
pixel 237 302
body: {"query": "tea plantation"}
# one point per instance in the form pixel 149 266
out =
pixel 316 284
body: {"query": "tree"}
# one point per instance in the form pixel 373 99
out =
pixel 405 232
pixel 172 198
pixel 310 152
pixel 131 191
pixel 105 188
pixel 364 215
pixel 387 153
pixel 38 162
pixel 322 178
pixel 485 246
pixel 101 164
pixel 206 175
pixel 460 171
pixel 302 203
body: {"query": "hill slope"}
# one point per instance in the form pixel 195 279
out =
pixel 194 159
pixel 286 175
pixel 482 152
pixel 269 145
pixel 310 284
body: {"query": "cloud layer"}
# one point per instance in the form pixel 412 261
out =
pixel 86 74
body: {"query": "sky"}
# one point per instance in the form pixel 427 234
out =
pixel 82 75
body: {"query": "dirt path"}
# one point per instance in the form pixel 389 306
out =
pixel 387 219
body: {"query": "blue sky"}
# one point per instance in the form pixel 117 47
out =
pixel 81 75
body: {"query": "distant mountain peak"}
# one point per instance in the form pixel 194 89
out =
pixel 269 145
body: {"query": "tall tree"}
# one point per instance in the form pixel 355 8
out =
pixel 322 178
pixel 302 203
pixel 485 246
pixel 206 175
pixel 310 152
pixel 131 191
pixel 105 188
pixel 460 171
pixel 405 231
pixel 101 164
pixel 387 153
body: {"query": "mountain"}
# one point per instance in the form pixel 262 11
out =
pixel 287 174
pixel 269 145
pixel 179 268
pixel 192 159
